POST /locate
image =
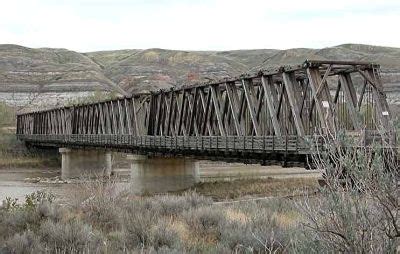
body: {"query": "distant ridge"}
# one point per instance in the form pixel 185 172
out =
pixel 43 70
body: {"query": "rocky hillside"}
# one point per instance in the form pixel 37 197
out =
pixel 52 72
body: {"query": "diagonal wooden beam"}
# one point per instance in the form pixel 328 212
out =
pixel 217 109
pixel 314 80
pixel 382 107
pixel 233 98
pixel 205 105
pixel 193 110
pixel 294 105
pixel 250 98
pixel 270 97
pixel 351 99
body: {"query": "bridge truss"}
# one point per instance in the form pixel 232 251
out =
pixel 280 104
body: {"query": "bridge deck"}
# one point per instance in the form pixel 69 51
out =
pixel 242 148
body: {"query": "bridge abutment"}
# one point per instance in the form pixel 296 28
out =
pixel 160 174
pixel 79 162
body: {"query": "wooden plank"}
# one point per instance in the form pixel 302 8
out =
pixel 114 118
pixel 382 107
pixel 158 113
pixel 360 100
pixel 121 128
pixel 170 106
pixel 249 94
pixel 233 98
pixel 206 105
pixel 270 96
pixel 135 117
pixel 351 100
pixel 128 111
pixel 181 108
pixel 215 101
pixel 102 120
pixel 314 80
pixel 294 105
pixel 193 115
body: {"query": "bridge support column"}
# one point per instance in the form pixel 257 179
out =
pixel 159 174
pixel 77 162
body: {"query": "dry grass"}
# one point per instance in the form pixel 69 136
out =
pixel 256 188
pixel 15 161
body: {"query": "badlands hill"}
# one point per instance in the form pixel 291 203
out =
pixel 48 73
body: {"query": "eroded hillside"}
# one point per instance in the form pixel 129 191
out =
pixel 32 75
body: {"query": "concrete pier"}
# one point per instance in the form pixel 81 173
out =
pixel 77 162
pixel 159 174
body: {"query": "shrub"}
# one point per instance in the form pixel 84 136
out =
pixel 252 227
pixel 116 242
pixel 164 236
pixel 359 209
pixel 205 221
pixel 24 243
pixel 169 205
pixel 17 221
pixel 138 218
pixel 72 236
pixel 98 199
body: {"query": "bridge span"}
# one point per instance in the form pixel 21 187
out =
pixel 270 116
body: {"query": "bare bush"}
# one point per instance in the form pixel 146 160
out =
pixel 359 209
pixel 163 235
pixel 253 227
pixel 138 218
pixel 25 243
pixel 72 236
pixel 169 205
pixel 97 199
pixel 205 221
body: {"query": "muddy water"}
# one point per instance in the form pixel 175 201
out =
pixel 13 182
pixel 17 183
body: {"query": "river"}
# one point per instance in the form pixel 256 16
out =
pixel 17 183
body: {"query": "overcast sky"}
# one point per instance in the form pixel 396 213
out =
pixel 91 25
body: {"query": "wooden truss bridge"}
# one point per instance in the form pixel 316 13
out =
pixel 269 116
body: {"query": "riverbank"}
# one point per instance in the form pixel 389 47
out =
pixel 253 188
pixel 8 161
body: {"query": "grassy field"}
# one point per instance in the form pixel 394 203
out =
pixel 97 218
pixel 101 220
pixel 256 188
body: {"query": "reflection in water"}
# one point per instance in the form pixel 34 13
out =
pixel 144 175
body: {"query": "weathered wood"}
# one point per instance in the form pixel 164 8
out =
pixel 315 79
pixel 233 98
pixel 205 106
pixel 382 107
pixel 249 94
pixel 279 102
pixel 351 99
pixel 217 110
pixel 270 96
pixel 294 105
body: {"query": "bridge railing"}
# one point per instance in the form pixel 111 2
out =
pixel 197 143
